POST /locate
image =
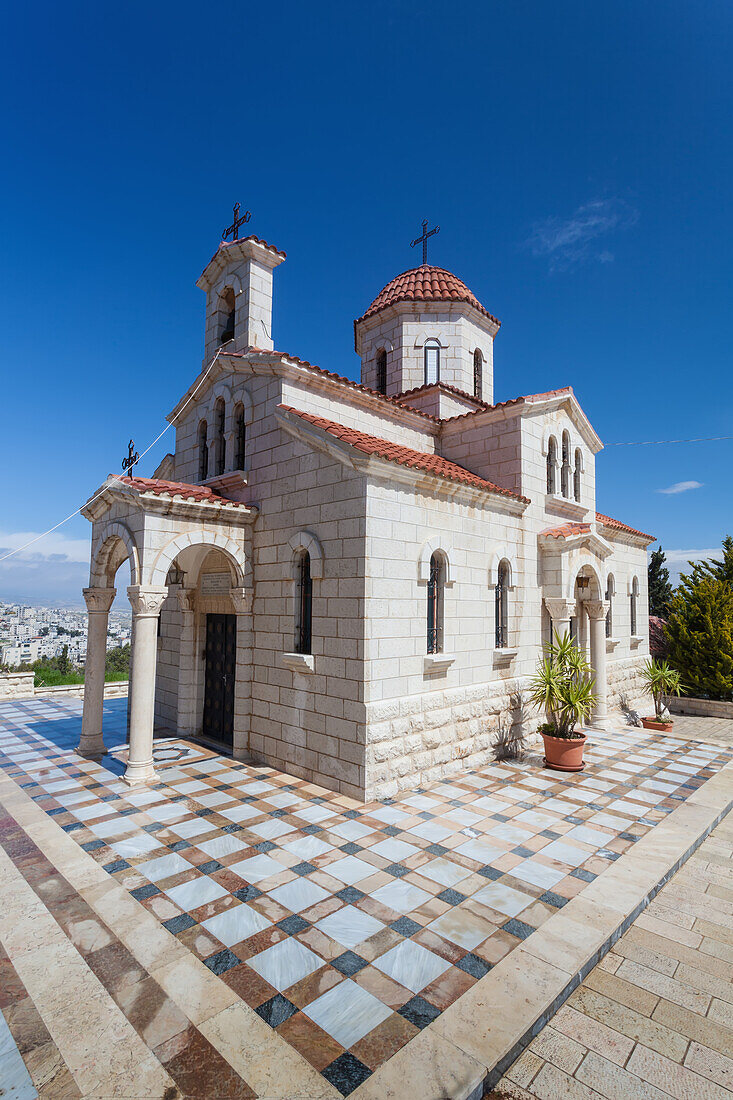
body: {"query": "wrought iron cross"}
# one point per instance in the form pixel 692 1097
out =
pixel 424 239
pixel 132 458
pixel 234 227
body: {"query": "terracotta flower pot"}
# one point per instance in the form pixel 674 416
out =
pixel 564 754
pixel 655 724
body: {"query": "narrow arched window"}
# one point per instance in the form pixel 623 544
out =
pixel 240 438
pixel 381 371
pixel 227 311
pixel 303 603
pixel 501 601
pixel 478 374
pixel 221 443
pixel 577 473
pixel 634 599
pixel 565 469
pixel 551 465
pixel 203 451
pixel 436 584
pixel 609 600
pixel 432 362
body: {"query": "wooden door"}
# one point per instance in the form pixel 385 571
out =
pixel 221 660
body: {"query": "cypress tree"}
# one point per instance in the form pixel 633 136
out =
pixel 660 590
pixel 700 633
pixel 722 568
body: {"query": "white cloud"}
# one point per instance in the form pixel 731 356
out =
pixel 568 242
pixel 681 487
pixel 53 547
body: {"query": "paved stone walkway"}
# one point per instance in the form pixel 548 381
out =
pixel 654 1019
pixel 714 730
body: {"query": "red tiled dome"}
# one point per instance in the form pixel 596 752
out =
pixel 425 284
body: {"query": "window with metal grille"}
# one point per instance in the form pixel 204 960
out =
pixel 435 605
pixel 551 464
pixel 609 613
pixel 577 473
pixel 241 437
pixel 501 610
pixel 381 371
pixel 221 443
pixel 203 451
pixel 634 599
pixel 565 469
pixel 432 362
pixel 478 374
pixel 303 604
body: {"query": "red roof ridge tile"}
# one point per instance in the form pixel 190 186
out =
pixel 441 386
pixel 425 283
pixel 159 487
pixel 529 399
pixel 404 456
pixel 616 524
pixel 566 530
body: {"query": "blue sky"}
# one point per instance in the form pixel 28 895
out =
pixel 576 156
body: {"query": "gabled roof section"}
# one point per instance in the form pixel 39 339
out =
pixel 153 492
pixel 443 387
pixel 617 525
pixel 403 456
pixel 176 489
pixel 568 530
pixel 424 284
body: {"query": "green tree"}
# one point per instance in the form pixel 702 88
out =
pixel 700 633
pixel 660 590
pixel 64 664
pixel 721 568
pixel 117 663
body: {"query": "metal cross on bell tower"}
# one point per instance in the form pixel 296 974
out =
pixel 234 227
pixel 132 458
pixel 424 239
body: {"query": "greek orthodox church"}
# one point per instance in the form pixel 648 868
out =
pixel 352 581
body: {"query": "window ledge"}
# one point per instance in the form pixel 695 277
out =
pixel 437 662
pixel 298 662
pixel 504 656
pixel 636 640
pixel 565 506
pixel 611 643
pixel 231 479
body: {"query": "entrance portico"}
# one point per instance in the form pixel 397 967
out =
pixel 148 522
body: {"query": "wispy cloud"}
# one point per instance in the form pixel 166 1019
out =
pixel 53 570
pixel 571 241
pixel 53 547
pixel 681 487
pixel 677 560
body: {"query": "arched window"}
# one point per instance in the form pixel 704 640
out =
pixel 432 362
pixel 303 603
pixel 478 374
pixel 610 592
pixel 221 443
pixel 551 465
pixel 634 599
pixel 577 473
pixel 501 599
pixel 227 310
pixel 381 371
pixel 565 469
pixel 436 586
pixel 240 437
pixel 203 451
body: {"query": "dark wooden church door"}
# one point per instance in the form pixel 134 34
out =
pixel 221 659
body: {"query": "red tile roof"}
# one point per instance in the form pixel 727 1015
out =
pixel 527 399
pixel 445 388
pixel 617 525
pixel 405 456
pixel 161 488
pixel 567 530
pixel 424 284
pixel 257 240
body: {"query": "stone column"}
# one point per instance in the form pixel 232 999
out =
pixel 597 610
pixel 146 601
pixel 99 601
pixel 188 663
pixel 242 601
pixel 561 612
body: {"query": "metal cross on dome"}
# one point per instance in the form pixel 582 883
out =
pixel 234 227
pixel 132 458
pixel 424 239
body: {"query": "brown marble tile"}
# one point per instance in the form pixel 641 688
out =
pixel 198 941
pixel 314 985
pixel 12 989
pixel 447 950
pixel 496 947
pixel 384 1041
pixel 199 1070
pixel 389 992
pixel 153 1014
pixel 115 966
pixel 26 1026
pixel 448 988
pixel 315 1045
pixel 248 985
pixel 50 1074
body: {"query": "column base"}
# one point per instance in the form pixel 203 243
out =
pixel 140 775
pixel 91 747
pixel 604 723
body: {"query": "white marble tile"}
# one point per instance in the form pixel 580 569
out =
pixel 496 895
pixel 595 837
pixel 282 799
pixel 307 847
pixel 565 853
pixel 172 811
pixel 285 963
pixel 238 814
pixel 390 814
pixel 536 873
pixel 97 809
pixel 116 826
pixel 236 924
pixel 394 850
pixel 411 965
pixel 316 813
pixel 257 868
pixel 350 870
pixel 350 830
pixel 347 1012
pixel 163 867
pixel 430 830
pixel 199 891
pixel 214 798
pixel 197 826
pixel 511 833
pixel 401 896
pixel 444 871
pixel 220 846
pixel 271 828
pixel 190 786
pixel 298 895
pixel 480 850
pixel 132 846
pixel 349 926
pixel 461 926
pixel 462 817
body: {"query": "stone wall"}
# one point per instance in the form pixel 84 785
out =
pixel 15 685
pixel 20 685
pixel 702 708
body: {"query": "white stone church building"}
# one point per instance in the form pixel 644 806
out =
pixel 352 581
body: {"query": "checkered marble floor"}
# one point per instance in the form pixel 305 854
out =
pixel 348 927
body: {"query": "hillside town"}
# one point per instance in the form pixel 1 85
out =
pixel 29 634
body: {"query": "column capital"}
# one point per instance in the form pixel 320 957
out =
pixel 99 599
pixel 242 600
pixel 597 609
pixel 146 599
pixel 560 610
pixel 186 599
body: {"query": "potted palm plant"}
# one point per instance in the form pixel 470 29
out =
pixel 661 680
pixel 563 685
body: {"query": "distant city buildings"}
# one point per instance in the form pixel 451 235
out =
pixel 29 634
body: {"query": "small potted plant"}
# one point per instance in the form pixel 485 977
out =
pixel 563 685
pixel 661 680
